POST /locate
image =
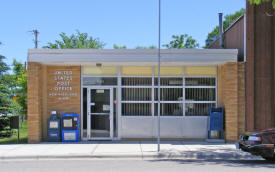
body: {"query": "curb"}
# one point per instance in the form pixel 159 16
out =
pixel 156 156
pixel 81 156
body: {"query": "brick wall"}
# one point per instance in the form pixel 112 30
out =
pixel 241 97
pixel 62 104
pixel 51 88
pixel 34 102
pixel 231 95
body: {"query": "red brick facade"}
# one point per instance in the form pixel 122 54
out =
pixel 50 88
pixel 232 98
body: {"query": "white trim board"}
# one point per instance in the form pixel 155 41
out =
pixel 132 57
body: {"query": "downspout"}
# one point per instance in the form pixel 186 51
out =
pixel 244 38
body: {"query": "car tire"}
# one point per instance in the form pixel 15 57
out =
pixel 270 158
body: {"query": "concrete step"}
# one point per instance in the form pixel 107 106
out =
pixel 215 140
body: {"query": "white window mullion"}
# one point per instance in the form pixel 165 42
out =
pixel 153 91
pixel 119 105
pixel 183 91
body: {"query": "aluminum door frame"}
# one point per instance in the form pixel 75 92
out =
pixel 111 115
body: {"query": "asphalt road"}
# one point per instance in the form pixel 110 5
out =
pixel 135 165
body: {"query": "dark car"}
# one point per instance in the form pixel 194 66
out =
pixel 259 143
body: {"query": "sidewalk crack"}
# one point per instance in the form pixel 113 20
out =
pixel 93 151
pixel 141 150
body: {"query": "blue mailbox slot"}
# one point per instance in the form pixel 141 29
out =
pixel 216 119
pixel 70 127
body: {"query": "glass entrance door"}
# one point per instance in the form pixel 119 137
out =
pixel 100 113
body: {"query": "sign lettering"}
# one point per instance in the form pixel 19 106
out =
pixel 63 89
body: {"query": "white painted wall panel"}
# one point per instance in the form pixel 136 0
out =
pixel 136 127
pixel 194 127
pixel 171 127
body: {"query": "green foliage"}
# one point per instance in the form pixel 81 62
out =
pixel 258 2
pixel 20 86
pixel 3 66
pixel 119 47
pixel 77 41
pixel 4 123
pixel 144 47
pixel 13 139
pixel 182 41
pixel 5 130
pixel 18 68
pixel 213 35
pixel 7 105
pixel 137 47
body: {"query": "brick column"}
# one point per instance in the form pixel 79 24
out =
pixel 241 97
pixel 230 100
pixel 34 102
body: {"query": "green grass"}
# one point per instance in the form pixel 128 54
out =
pixel 13 139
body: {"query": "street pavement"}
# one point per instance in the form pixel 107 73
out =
pixel 136 165
pixel 122 149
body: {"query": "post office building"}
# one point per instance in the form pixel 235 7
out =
pixel 115 92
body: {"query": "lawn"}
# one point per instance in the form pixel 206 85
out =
pixel 13 139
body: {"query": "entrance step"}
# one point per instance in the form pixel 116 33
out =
pixel 215 140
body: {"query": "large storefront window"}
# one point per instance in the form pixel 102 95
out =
pixel 197 109
pixel 136 109
pixel 169 109
pixel 136 96
pixel 179 95
pixel 136 81
pixel 200 81
pixel 169 94
pixel 169 81
pixel 200 95
pixel 99 81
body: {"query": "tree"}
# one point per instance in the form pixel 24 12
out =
pixel 3 66
pixel 7 105
pixel 137 47
pixel 78 40
pixel 119 47
pixel 20 91
pixel 213 35
pixel 145 47
pixel 182 41
pixel 258 2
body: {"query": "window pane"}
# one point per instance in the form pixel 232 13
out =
pixel 169 94
pixel 99 81
pixel 136 81
pixel 200 94
pixel 169 81
pixel 200 81
pixel 197 109
pixel 169 109
pixel 136 109
pixel 136 94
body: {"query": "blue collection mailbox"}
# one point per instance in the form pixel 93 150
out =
pixel 54 127
pixel 216 119
pixel 70 127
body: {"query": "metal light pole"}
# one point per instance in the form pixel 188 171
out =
pixel 159 82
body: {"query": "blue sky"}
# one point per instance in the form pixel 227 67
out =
pixel 121 22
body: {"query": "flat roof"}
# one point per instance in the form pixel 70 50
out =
pixel 135 57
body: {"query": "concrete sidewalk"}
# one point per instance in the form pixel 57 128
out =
pixel 123 149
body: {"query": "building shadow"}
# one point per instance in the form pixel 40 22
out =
pixel 224 162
